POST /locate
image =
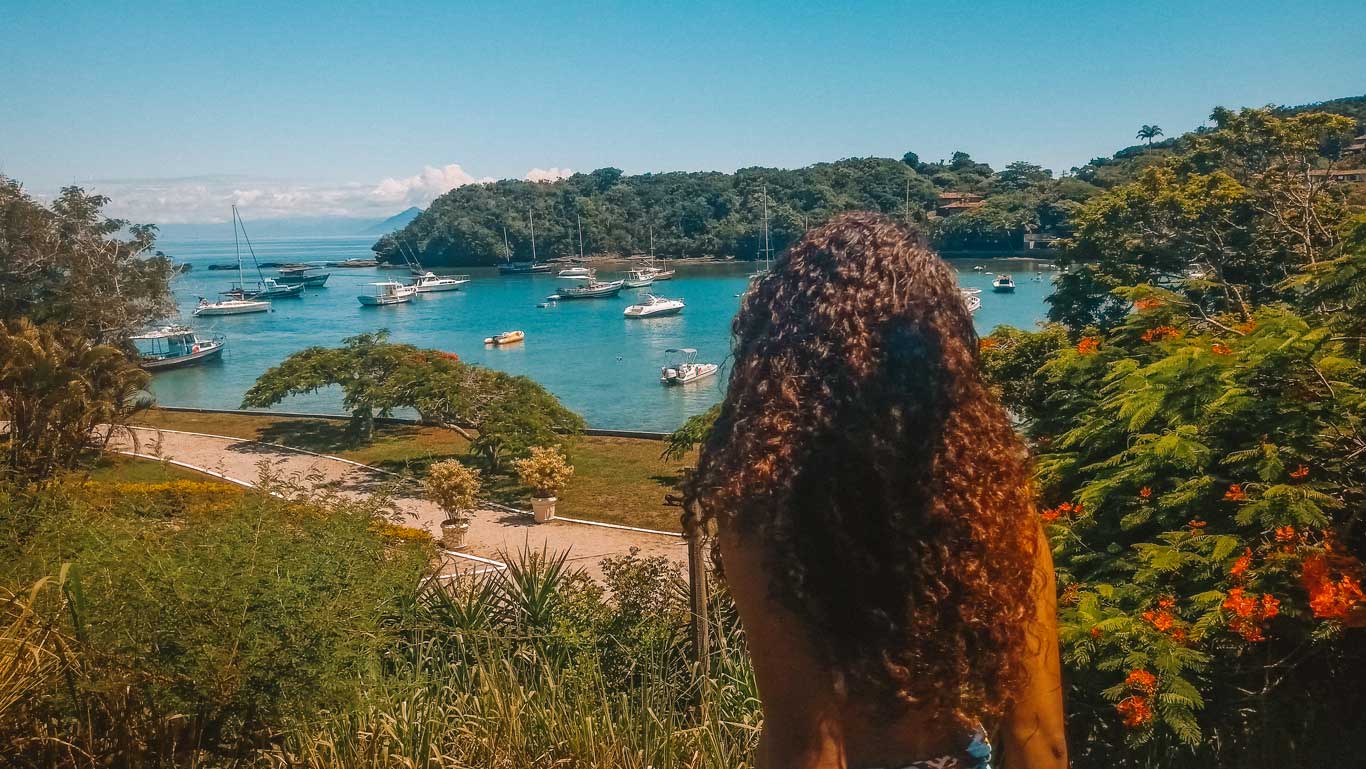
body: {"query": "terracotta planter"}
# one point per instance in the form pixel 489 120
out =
pixel 544 508
pixel 453 534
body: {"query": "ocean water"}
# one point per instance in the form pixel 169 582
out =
pixel 597 362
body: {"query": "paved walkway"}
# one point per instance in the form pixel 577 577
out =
pixel 493 532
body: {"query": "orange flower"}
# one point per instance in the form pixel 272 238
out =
pixel 1088 345
pixel 1166 602
pixel 1300 473
pixel 1219 348
pixel 1179 635
pixel 1196 526
pixel 1285 534
pixel 1239 604
pixel 1235 493
pixel 450 356
pixel 1050 515
pixel 1096 631
pixel 1250 613
pixel 1141 680
pixel 1270 606
pixel 1145 493
pixel 986 344
pixel 1148 303
pixel 1159 333
pixel 1162 619
pixel 1329 598
pixel 1135 711
pixel 1246 328
pixel 1240 566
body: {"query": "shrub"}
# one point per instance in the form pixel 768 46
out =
pixel 546 471
pixel 453 486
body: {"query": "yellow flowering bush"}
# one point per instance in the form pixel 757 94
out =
pixel 546 471
pixel 454 487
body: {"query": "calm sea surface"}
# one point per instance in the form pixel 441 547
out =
pixel 600 364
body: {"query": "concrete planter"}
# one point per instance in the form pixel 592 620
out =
pixel 544 508
pixel 453 534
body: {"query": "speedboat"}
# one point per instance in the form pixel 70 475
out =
pixel 592 290
pixel 507 337
pixel 638 279
pixel 687 369
pixel 972 297
pixel 431 282
pixel 172 346
pixel 654 306
pixel 230 306
pixel 1003 284
pixel 388 292
pixel 576 273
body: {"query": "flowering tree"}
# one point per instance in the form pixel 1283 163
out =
pixel 1202 476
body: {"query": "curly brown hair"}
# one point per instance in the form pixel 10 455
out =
pixel 859 448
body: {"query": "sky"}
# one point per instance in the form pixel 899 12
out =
pixel 178 110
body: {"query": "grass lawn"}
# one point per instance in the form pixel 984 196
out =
pixel 616 480
pixel 123 469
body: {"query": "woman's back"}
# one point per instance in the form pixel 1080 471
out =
pixel 872 506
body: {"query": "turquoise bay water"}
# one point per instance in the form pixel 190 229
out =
pixel 600 364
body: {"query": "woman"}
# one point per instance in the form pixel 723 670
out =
pixel 871 511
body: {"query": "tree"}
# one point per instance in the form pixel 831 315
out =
pixel 1022 176
pixel 56 389
pixel 65 264
pixel 911 159
pixel 1148 133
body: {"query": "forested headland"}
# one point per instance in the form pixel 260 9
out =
pixel 714 214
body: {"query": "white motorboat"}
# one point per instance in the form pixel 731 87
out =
pixel 431 282
pixel 388 292
pixel 1003 284
pixel 654 306
pixel 972 297
pixel 592 290
pixel 576 273
pixel 173 346
pixel 230 306
pixel 638 279
pixel 686 369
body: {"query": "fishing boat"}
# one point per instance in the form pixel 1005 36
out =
pixel 592 290
pixel 231 306
pixel 972 297
pixel 388 292
pixel 1003 284
pixel 654 306
pixel 686 369
pixel 430 282
pixel 576 273
pixel 239 302
pixel 507 337
pixel 638 279
pixel 303 277
pixel 173 346
pixel 510 267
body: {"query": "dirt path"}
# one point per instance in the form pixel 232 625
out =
pixel 492 533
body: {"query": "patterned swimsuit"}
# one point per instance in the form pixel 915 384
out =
pixel 977 755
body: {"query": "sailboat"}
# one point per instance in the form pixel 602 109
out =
pixel 522 268
pixel 235 305
pixel 767 250
pixel 655 272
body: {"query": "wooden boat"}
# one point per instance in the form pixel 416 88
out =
pixel 507 337
pixel 592 290
pixel 174 346
pixel 654 306
pixel 388 292
pixel 303 278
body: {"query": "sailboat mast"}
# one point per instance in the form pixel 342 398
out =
pixel 237 249
pixel 767 249
pixel 532 219
pixel 507 249
pixel 579 221
pixel 652 243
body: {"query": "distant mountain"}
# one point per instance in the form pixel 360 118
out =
pixel 302 227
pixel 396 222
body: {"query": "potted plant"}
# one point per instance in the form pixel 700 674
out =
pixel 455 489
pixel 547 472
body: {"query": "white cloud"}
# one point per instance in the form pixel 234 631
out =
pixel 548 174
pixel 421 189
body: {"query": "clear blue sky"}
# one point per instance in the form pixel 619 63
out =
pixel 331 94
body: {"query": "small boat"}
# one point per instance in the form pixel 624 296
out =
pixel 388 292
pixel 638 279
pixel 223 266
pixel 268 288
pixel 230 306
pixel 303 278
pixel 1003 284
pixel 507 337
pixel 172 346
pixel 510 267
pixel 288 269
pixel 978 268
pixel 430 282
pixel 687 369
pixel 654 306
pixel 576 273
pixel 592 290
pixel 659 273
pixel 355 263
pixel 972 297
